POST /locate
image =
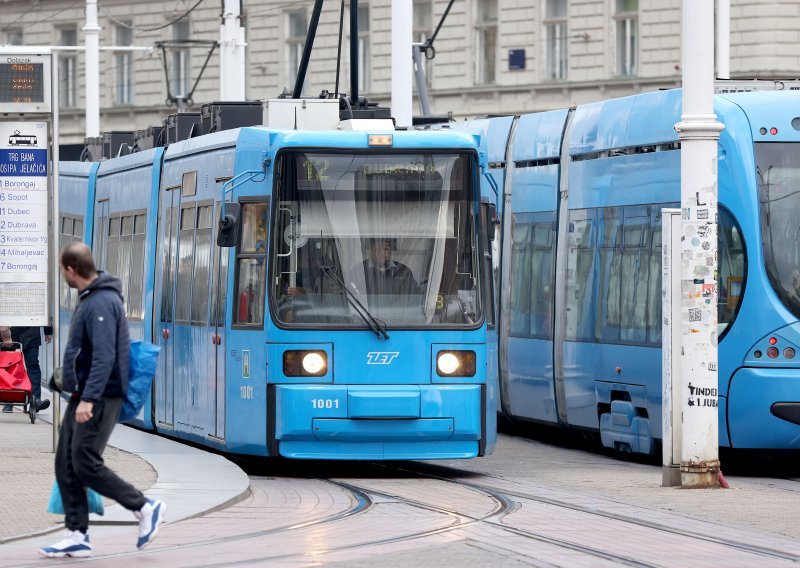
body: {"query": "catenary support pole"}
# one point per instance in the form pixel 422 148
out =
pixel 402 62
pixel 699 132
pixel 354 54
pixel 723 39
pixel 232 51
pixel 92 33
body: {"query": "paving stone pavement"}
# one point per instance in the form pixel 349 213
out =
pixel 27 474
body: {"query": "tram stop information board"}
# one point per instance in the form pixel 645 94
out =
pixel 23 223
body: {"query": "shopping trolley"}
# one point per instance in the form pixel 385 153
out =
pixel 15 386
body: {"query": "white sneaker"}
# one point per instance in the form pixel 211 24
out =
pixel 152 515
pixel 75 544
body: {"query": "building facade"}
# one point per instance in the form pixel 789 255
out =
pixel 492 56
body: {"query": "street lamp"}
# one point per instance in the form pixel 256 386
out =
pixel 178 50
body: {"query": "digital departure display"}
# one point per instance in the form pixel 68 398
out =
pixel 22 82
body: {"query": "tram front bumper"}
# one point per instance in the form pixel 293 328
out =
pixel 377 422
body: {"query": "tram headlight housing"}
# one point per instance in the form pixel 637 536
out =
pixel 312 363
pixel 455 363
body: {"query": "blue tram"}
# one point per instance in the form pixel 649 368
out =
pixel 316 294
pixel 580 277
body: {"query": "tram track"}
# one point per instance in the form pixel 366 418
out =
pixel 750 548
pixel 503 507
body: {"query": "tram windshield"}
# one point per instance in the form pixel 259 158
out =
pixel 778 173
pixel 395 233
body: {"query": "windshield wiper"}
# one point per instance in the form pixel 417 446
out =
pixel 376 325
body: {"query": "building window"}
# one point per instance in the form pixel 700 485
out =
pixel 295 42
pixel 68 69
pixel 181 61
pixel 123 90
pixel 555 24
pixel 14 36
pixel 423 29
pixel 627 23
pixel 363 49
pixel 486 42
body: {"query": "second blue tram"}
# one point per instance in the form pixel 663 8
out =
pixel 580 325
pixel 315 294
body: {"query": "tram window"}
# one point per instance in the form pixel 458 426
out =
pixel 78 230
pixel 112 258
pixel 254 228
pixel 168 255
pixel 654 324
pixel 609 309
pixel 183 291
pixel 251 266
pixel 202 271
pixel 732 269
pixel 520 284
pixel 634 277
pixel 532 275
pixel 187 218
pixel 124 267
pixel 581 275
pixel 64 238
pixel 139 223
pixel 127 226
pixel 204 216
pixel 135 308
pixel 542 275
pixel 189 184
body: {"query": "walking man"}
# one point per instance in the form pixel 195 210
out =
pixel 31 340
pixel 95 372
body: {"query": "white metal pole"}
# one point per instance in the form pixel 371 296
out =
pixel 724 39
pixel 671 346
pixel 232 61
pixel 53 236
pixel 92 32
pixel 699 133
pixel 402 61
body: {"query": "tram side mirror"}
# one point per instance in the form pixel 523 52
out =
pixel 492 220
pixel 489 213
pixel 228 231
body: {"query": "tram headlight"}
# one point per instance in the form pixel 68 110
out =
pixel 314 363
pixel 455 363
pixel 305 363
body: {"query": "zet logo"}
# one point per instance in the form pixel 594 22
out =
pixel 381 357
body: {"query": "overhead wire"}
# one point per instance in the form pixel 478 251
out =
pixel 34 11
pixel 154 28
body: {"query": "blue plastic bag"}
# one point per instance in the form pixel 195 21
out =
pixel 56 506
pixel 143 365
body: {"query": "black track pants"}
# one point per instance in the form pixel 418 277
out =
pixel 79 464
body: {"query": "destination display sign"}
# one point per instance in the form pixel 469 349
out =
pixel 21 82
pixel 23 223
pixel 24 83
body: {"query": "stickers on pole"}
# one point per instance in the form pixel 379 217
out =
pixel 23 223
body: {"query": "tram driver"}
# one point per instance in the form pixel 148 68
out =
pixel 381 274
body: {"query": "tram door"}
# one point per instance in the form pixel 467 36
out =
pixel 165 279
